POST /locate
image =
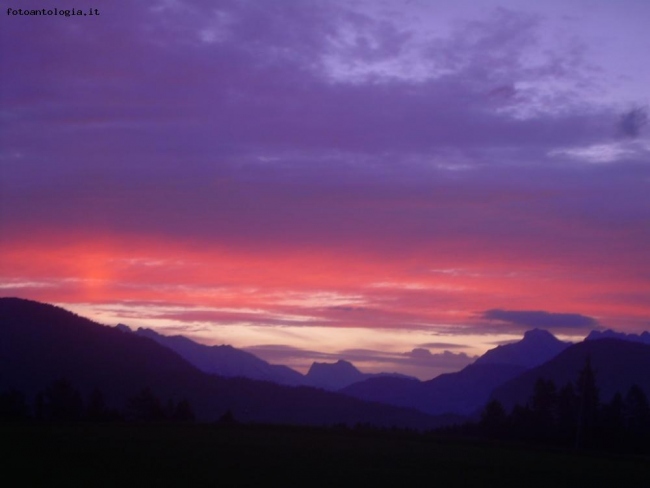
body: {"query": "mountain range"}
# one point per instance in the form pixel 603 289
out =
pixel 463 392
pixel 466 391
pixel 41 343
pixel 643 338
pixel 536 347
pixel 223 360
pixel 617 365
pixel 230 362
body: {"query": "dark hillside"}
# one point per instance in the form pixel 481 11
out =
pixel 40 344
pixel 463 392
pixel 617 366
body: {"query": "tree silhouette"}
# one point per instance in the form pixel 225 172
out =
pixel 588 404
pixel 571 415
pixel 493 418
pixel 636 411
pixel 13 406
pixel 543 406
pixel 567 412
pixel 62 402
pixel 227 418
pixel 98 411
pixel 183 412
pixel 145 407
pixel 612 424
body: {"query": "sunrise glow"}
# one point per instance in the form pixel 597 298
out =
pixel 324 180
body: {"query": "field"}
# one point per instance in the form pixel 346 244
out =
pixel 200 455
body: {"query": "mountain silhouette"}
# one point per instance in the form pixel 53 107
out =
pixel 229 361
pixel 41 344
pixel 224 360
pixel 643 338
pixel 617 366
pixel 462 393
pixel 334 376
pixel 536 347
pixel 466 391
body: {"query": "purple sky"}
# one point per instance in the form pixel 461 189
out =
pixel 401 184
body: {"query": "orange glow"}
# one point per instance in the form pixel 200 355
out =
pixel 309 299
pixel 419 292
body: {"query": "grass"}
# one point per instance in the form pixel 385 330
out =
pixel 202 455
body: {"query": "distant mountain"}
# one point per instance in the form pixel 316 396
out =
pixel 40 344
pixel 466 391
pixel 536 347
pixel 463 392
pixel 224 360
pixel 643 338
pixel 334 376
pixel 617 366
pixel 232 362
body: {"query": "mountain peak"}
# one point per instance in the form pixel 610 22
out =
pixel 224 360
pixel 41 343
pixel 146 332
pixel 536 347
pixel 644 337
pixel 539 335
pixel 341 367
pixel 334 375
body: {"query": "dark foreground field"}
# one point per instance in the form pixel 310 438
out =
pixel 199 455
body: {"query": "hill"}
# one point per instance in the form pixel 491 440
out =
pixel 224 360
pixel 231 362
pixel 338 375
pixel 617 366
pixel 462 393
pixel 40 344
pixel 644 337
pixel 466 391
pixel 536 347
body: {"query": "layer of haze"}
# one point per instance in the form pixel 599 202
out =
pixel 400 184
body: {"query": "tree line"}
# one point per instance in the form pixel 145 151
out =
pixel 62 402
pixel 570 416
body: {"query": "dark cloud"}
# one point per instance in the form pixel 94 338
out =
pixel 345 308
pixel 446 359
pixel 420 353
pixel 546 320
pixel 441 345
pixel 632 121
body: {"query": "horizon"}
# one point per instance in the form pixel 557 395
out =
pixel 403 187
pixel 532 335
pixel 334 358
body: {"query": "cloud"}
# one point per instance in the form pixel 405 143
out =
pixel 539 319
pixel 420 362
pixel 446 359
pixel 632 121
pixel 283 354
pixel 237 133
pixel 441 345
pixel 611 152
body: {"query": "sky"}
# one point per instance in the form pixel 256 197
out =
pixel 402 184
